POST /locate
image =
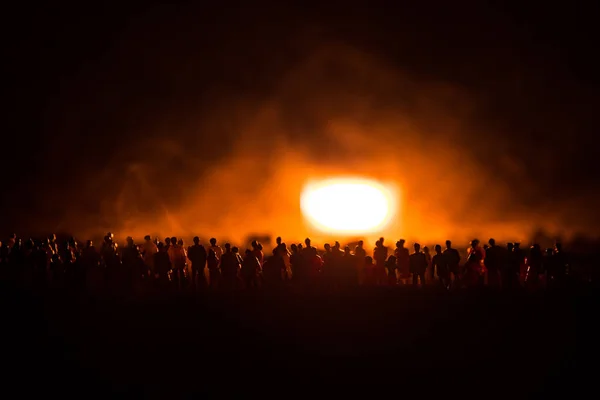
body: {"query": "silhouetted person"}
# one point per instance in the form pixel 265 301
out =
pixel 299 266
pixel 236 251
pixel 380 255
pixel 534 264
pixel 277 245
pixel 90 260
pixel 550 267
pixel 348 270
pixel 360 254
pixel 229 267
pixel 561 264
pixel 315 264
pixel 58 270
pixel 250 269
pixel 131 259
pixel 285 254
pixel 308 250
pixel 52 242
pixel 369 272
pixel 178 256
pixel 38 263
pixel 162 266
pixel 494 259
pixel 112 261
pixel 328 270
pixel 258 253
pixel 429 274
pixel 390 266
pixel 453 259
pixel 149 249
pixel 214 274
pixel 312 259
pixel 418 265
pixel 510 271
pixel 519 255
pixel 474 267
pixel 439 265
pixel 197 255
pixel 217 249
pixel 272 271
pixel 338 265
pixel 402 262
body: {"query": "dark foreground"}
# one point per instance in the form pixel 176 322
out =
pixel 388 341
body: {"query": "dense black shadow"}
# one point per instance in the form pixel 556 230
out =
pixel 395 340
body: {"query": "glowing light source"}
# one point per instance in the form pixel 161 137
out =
pixel 348 205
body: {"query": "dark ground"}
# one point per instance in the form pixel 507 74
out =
pixel 396 341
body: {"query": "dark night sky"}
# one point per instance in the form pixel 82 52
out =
pixel 82 82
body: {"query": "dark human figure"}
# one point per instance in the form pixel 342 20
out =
pixel 474 267
pixel 40 265
pixel 349 274
pixel 214 274
pixel 250 269
pixel 52 242
pixel 90 261
pixel 369 271
pixel 258 253
pixel 131 259
pixel 277 245
pixel 112 262
pixel 162 266
pixel 534 264
pixel 149 249
pixel 337 275
pixel 453 259
pixel 510 270
pixel 16 259
pixel 308 250
pixel 313 261
pixel 315 265
pixel 380 255
pixel 272 271
pixel 418 265
pixel 494 259
pixel 402 261
pixel 549 268
pixel 178 256
pixel 285 254
pixel 229 268
pixel 360 254
pixel 429 275
pixel 328 271
pixel 390 266
pixel 58 271
pixel 561 264
pixel 26 269
pixel 216 248
pixel 197 255
pixel 519 257
pixel 72 268
pixel 236 251
pixel 439 265
pixel 299 266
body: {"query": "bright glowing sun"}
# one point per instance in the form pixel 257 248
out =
pixel 348 205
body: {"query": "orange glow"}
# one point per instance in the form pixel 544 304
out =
pixel 348 206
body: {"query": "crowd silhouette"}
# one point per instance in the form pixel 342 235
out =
pixel 168 318
pixel 169 264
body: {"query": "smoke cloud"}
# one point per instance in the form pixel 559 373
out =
pixel 235 167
